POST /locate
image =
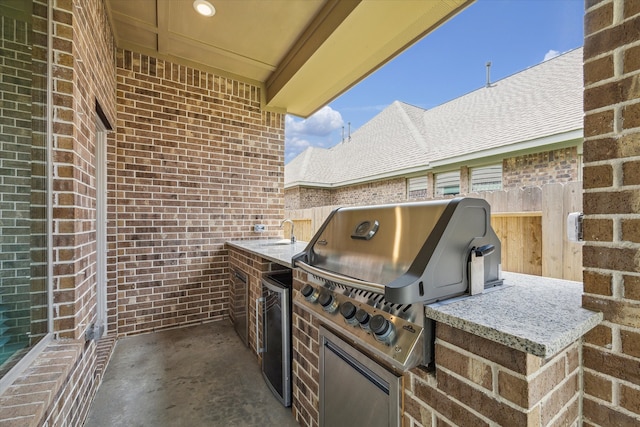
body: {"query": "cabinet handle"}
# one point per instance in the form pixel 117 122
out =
pixel 258 348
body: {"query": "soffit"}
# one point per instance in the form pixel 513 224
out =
pixel 302 53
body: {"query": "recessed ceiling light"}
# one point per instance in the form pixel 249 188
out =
pixel 204 8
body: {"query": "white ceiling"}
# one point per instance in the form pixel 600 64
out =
pixel 302 53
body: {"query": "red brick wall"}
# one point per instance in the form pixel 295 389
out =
pixel 477 382
pixel 611 207
pixel 197 162
pixel 59 386
pixel 305 344
pixel 83 73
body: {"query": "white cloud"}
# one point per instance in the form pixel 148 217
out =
pixel 319 130
pixel 551 54
pixel 322 123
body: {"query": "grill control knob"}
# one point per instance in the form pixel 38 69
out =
pixel 328 303
pixel 363 318
pixel 382 329
pixel 309 293
pixel 348 311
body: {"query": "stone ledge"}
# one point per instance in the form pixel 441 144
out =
pixel 25 403
pixel 537 315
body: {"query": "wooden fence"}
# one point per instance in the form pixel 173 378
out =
pixel 530 223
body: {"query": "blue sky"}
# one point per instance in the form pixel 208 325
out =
pixel 448 63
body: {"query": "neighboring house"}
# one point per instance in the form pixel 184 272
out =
pixel 524 130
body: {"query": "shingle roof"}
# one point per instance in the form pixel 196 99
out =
pixel 539 102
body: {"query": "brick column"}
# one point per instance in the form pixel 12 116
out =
pixel 465 184
pixel 481 383
pixel 611 353
pixel 431 185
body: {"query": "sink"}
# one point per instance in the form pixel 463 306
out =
pixel 281 242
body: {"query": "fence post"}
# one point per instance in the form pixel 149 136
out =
pixel 572 257
pixel 553 228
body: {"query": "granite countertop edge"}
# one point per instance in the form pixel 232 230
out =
pixel 552 319
pixel 278 253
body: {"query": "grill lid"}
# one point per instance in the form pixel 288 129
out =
pixel 410 252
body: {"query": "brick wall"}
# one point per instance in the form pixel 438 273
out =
pixel 557 166
pixel 393 190
pixel 389 191
pixel 197 163
pixel 83 74
pixel 478 382
pixel 57 388
pixel 464 180
pixel 538 169
pixel 302 197
pixel 611 207
pixel 305 343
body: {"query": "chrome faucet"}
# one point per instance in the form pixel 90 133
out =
pixel 293 238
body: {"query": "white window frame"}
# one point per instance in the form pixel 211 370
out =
pixel 101 226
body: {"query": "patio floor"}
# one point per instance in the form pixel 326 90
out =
pixel 195 376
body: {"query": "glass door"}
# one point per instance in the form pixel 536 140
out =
pixel 276 337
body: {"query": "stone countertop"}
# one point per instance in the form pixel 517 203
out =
pixel 534 314
pixel 271 249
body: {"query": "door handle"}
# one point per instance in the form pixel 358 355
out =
pixel 264 339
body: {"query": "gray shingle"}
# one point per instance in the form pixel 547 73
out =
pixel 541 101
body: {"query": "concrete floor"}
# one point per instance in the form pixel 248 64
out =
pixel 196 376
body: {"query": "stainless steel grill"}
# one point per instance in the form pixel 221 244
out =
pixel 373 268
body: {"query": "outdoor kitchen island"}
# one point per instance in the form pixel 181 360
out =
pixel 509 356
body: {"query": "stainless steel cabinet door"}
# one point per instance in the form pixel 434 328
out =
pixel 354 390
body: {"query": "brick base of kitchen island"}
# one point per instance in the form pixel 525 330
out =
pixel 476 381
